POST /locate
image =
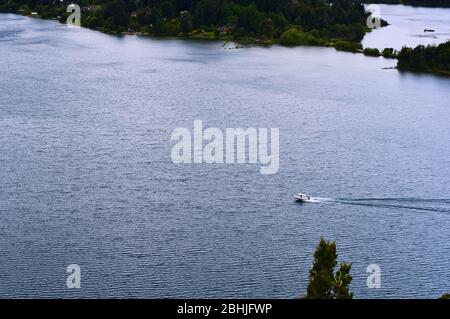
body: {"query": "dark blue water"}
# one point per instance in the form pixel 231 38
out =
pixel 86 174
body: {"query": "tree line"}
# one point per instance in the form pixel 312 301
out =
pixel 429 59
pixel 338 23
pixel 316 21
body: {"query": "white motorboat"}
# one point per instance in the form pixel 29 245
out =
pixel 302 197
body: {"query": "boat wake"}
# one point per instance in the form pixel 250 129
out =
pixel 419 204
pixel 399 199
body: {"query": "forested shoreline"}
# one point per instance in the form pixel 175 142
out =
pixel 426 59
pixel 340 23
pixel 305 22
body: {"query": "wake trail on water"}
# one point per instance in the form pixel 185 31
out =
pixel 419 204
pixel 400 199
pixel 401 203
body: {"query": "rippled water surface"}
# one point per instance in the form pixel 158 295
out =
pixel 86 175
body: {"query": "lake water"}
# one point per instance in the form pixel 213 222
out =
pixel 407 25
pixel 86 173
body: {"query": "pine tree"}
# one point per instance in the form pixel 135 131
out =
pixel 323 283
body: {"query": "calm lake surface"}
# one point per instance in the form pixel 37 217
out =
pixel 86 175
pixel 407 25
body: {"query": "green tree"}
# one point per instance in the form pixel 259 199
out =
pixel 167 10
pixel 342 281
pixel 291 37
pixel 372 52
pixel 266 29
pixel 186 22
pixel 323 283
pixel 294 37
pixel 389 53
